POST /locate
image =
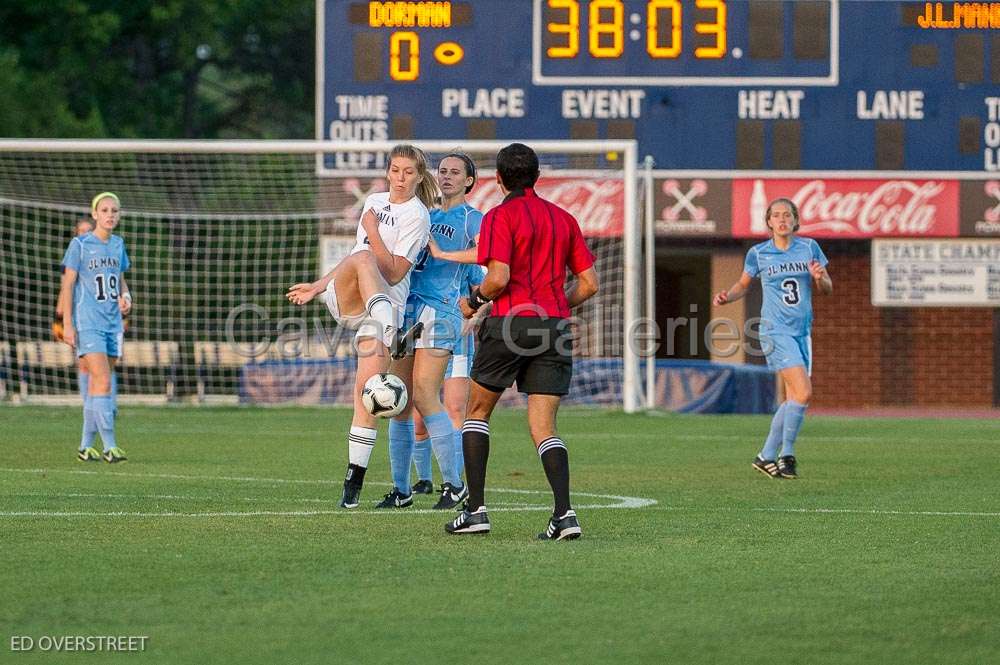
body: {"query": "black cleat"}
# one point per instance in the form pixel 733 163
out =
pixel 402 344
pixel 451 497
pixel 351 498
pixel 477 522
pixel 423 487
pixel 767 467
pixel 786 467
pixel 395 499
pixel 566 527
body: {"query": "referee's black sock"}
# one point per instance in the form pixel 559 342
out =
pixel 476 448
pixel 555 461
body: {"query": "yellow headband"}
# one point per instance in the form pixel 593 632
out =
pixel 103 195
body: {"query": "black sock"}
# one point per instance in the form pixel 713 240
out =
pixel 555 461
pixel 355 474
pixel 476 448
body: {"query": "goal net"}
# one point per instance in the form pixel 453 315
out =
pixel 217 231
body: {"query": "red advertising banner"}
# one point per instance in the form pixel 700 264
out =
pixel 597 203
pixel 847 208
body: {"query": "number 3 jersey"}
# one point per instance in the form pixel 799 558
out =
pixel 784 276
pixel 99 266
pixel 404 228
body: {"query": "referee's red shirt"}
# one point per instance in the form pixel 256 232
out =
pixel 539 241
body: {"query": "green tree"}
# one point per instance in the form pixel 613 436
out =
pixel 157 69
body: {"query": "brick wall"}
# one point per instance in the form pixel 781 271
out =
pixel 867 356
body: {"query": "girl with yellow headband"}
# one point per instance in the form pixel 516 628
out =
pixel 93 300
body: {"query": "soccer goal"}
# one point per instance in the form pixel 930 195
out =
pixel 217 231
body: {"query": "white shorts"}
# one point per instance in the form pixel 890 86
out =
pixel 352 322
pixel 458 367
pixel 461 361
pixel 357 321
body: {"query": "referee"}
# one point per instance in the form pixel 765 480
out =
pixel 526 244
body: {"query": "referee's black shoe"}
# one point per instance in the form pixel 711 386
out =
pixel 566 527
pixel 766 466
pixel 477 522
pixel 786 467
pixel 402 343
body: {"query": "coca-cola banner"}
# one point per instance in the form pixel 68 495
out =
pixel 981 207
pixel 692 207
pixel 597 203
pixel 848 208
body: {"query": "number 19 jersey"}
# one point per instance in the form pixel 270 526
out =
pixel 787 284
pixel 99 266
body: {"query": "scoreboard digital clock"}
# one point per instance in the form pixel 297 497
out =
pixel 700 84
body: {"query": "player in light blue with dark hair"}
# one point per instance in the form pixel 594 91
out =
pixel 789 267
pixel 93 300
pixel 435 291
pixel 456 389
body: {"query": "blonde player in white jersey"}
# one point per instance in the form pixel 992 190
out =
pixel 367 291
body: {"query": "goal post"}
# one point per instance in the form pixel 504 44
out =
pixel 215 226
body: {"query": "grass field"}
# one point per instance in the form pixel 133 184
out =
pixel 220 540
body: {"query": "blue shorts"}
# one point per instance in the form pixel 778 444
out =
pixel 442 324
pixel 99 341
pixel 788 351
pixel 460 363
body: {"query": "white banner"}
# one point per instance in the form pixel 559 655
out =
pixel 935 273
pixel 332 250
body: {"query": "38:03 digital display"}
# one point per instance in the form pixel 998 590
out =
pixel 606 28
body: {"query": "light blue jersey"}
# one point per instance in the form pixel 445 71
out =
pixel 440 282
pixel 99 266
pixel 787 284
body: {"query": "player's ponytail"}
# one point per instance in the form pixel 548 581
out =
pixel 427 190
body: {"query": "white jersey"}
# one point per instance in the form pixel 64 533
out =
pixel 404 227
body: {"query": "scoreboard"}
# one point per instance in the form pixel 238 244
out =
pixel 700 84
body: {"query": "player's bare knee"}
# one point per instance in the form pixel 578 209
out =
pixel 456 412
pixel 100 384
pixel 425 400
pixel 541 432
pixel 364 260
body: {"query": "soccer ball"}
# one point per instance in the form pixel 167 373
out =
pixel 384 395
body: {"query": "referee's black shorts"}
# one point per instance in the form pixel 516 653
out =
pixel 535 352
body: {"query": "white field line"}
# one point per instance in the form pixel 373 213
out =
pixel 193 497
pixel 836 511
pixel 862 511
pixel 741 437
pixel 626 502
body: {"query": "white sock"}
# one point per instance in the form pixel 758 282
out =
pixel 380 308
pixel 360 444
